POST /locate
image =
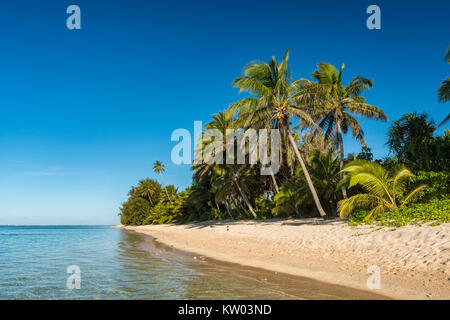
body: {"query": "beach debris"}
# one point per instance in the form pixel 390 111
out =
pixel 228 228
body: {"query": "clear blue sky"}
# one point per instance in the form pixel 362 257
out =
pixel 85 113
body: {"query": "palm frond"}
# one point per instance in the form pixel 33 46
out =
pixel 376 211
pixel 245 105
pixel 372 177
pixel 358 201
pixel 304 117
pixel 413 193
pixel 445 120
pixel 326 73
pixel 444 90
pixel 400 175
pixel 358 85
pixel 250 84
pixel 357 131
pixel 367 111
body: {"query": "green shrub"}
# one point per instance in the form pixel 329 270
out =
pixel 287 201
pixel 438 185
pixel 264 206
pixel 169 212
pixel 436 211
pixel 135 211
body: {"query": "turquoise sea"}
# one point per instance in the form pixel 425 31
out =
pixel 119 264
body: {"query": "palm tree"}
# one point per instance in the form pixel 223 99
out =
pixel 158 167
pixel 287 201
pixel 221 121
pixel 382 187
pixel 149 189
pixel 323 167
pixel 275 101
pixel 222 176
pixel 444 89
pixel 340 102
pixel 225 179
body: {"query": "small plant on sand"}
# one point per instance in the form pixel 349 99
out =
pixel 383 188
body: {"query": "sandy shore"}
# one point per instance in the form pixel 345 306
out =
pixel 414 261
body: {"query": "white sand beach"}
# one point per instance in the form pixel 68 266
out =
pixel 414 260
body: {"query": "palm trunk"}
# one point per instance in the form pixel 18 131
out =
pixel 239 208
pixel 218 210
pixel 306 173
pixel 228 206
pixel 150 198
pixel 274 180
pixel 341 160
pixel 167 193
pixel 249 205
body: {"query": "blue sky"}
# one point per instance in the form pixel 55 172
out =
pixel 86 112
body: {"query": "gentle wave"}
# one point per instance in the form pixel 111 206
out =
pixel 114 264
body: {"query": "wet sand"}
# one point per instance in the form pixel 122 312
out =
pixel 414 261
pixel 289 286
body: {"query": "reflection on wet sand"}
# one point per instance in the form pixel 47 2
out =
pixel 197 277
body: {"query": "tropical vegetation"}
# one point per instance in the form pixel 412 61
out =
pixel 444 89
pixel 382 188
pixel 314 178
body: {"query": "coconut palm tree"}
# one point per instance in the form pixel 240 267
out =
pixel 275 101
pixel 225 179
pixel 340 102
pixel 221 121
pixel 149 189
pixel 444 89
pixel 382 187
pixel 323 167
pixel 159 168
pixel 222 177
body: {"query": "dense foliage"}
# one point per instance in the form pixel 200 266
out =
pixel 314 177
pixel 438 185
pixel 412 140
pixel 384 190
pixel 434 212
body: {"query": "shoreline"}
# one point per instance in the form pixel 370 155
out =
pixel 290 286
pixel 414 261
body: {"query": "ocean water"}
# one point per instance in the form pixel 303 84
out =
pixel 119 264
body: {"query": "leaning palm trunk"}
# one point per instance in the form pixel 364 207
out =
pixel 249 205
pixel 167 193
pixel 306 173
pixel 274 180
pixel 150 198
pixel 271 171
pixel 341 160
pixel 218 209
pixel 239 207
pixel 228 206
